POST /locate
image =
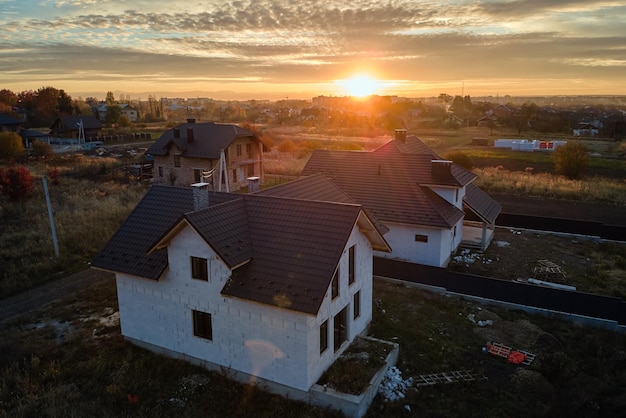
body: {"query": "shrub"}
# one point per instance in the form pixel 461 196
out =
pixel 16 183
pixel 287 146
pixel 570 160
pixel 41 150
pixel 10 145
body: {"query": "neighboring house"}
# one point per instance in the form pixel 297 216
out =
pixel 270 289
pixel 224 155
pixel 10 124
pixel 418 196
pixel 69 127
pixel 130 112
pixel 585 129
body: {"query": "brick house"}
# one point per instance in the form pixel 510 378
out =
pixel 225 154
pixel 271 289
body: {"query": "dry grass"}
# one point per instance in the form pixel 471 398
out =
pixel 86 213
pixel 594 189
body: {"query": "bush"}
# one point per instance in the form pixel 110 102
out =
pixel 10 145
pixel 16 183
pixel 287 146
pixel 41 150
pixel 570 160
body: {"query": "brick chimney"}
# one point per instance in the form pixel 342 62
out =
pixel 401 135
pixel 441 168
pixel 200 195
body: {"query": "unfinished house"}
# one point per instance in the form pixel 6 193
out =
pixel 223 155
pixel 419 197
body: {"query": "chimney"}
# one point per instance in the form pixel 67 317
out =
pixel 176 133
pixel 190 135
pixel 401 135
pixel 441 168
pixel 253 184
pixel 200 195
pixel 191 120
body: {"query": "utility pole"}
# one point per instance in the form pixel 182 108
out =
pixel 54 231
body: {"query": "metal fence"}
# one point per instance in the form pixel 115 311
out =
pixel 572 302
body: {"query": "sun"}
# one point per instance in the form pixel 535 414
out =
pixel 359 86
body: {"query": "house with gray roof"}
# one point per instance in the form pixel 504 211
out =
pixel 271 288
pixel 420 198
pixel 10 124
pixel 223 155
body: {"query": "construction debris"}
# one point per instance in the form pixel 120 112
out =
pixel 547 270
pixel 448 377
pixel 512 356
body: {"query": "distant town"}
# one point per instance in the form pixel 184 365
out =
pixel 591 116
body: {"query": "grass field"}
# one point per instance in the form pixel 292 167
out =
pixel 68 359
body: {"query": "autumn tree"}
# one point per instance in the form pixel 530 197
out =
pixel 570 160
pixel 8 100
pixel 10 145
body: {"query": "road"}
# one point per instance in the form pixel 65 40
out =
pixel 35 299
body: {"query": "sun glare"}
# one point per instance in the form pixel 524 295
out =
pixel 359 86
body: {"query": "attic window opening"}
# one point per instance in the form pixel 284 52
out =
pixel 421 238
pixel 199 270
pixel 177 160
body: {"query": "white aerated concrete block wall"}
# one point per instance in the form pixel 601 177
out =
pixel 276 344
pixel 401 239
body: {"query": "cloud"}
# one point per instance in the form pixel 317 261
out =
pixel 291 42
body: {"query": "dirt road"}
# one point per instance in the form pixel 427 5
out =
pixel 35 299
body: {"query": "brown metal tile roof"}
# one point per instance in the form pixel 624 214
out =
pixel 481 204
pixel 387 183
pixel 208 139
pixel 127 251
pixel 318 187
pixel 296 245
pixel 284 251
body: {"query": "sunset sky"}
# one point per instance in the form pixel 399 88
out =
pixel 300 49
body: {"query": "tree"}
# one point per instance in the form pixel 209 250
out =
pixel 570 160
pixel 123 121
pixel 113 114
pixel 10 145
pixel 16 183
pixel 110 100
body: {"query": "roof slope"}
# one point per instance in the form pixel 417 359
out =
pixel 208 139
pixel 482 204
pixel 127 251
pixel 9 120
pixel 318 187
pixel 72 122
pixel 387 183
pixel 297 245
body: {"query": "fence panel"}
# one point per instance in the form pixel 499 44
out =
pixel 578 303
